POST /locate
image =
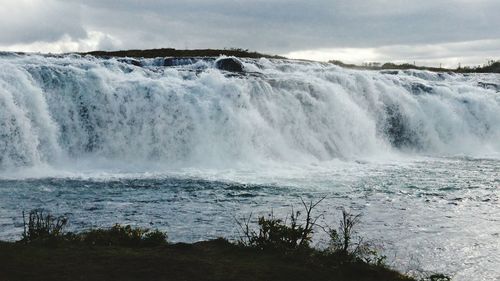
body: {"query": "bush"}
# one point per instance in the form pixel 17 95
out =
pixel 345 242
pixel 276 234
pixel 124 236
pixel 154 238
pixel 42 226
pixel 341 239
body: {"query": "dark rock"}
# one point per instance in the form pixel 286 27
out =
pixel 169 62
pixel 131 61
pixel 398 131
pixel 490 86
pixel 390 72
pixel 229 64
pixel 419 88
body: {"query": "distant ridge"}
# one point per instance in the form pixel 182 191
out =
pixel 170 52
pixel 491 67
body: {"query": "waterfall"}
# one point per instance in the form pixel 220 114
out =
pixel 62 108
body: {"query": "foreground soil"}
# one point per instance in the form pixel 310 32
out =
pixel 209 260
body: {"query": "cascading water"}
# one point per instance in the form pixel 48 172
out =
pixel 55 109
pixel 180 145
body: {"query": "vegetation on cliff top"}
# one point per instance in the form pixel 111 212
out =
pixel 170 52
pixel 491 67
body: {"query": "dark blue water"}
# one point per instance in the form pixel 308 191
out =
pixel 432 214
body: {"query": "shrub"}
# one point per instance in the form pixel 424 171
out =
pixel 119 235
pixel 276 234
pixel 154 238
pixel 42 226
pixel 341 239
pixel 345 242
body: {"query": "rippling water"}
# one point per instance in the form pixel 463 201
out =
pixel 433 214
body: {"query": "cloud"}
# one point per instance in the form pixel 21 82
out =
pixel 353 27
pixel 95 40
pixel 281 26
pixel 446 54
pixel 28 21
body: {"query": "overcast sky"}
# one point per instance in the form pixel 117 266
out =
pixel 424 31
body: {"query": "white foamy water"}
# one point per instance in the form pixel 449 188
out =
pixel 186 147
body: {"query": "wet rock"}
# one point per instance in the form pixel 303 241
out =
pixel 229 64
pixel 131 61
pixel 419 88
pixel 398 131
pixel 390 72
pixel 489 86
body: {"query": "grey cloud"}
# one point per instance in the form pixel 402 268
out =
pixel 467 52
pixel 274 26
pixel 282 26
pixel 25 21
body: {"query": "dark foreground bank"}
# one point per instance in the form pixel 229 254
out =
pixel 208 260
pixel 276 250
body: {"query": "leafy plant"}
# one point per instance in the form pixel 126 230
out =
pixel 119 235
pixel 154 238
pixel 345 242
pixel 341 239
pixel 42 226
pixel 277 234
